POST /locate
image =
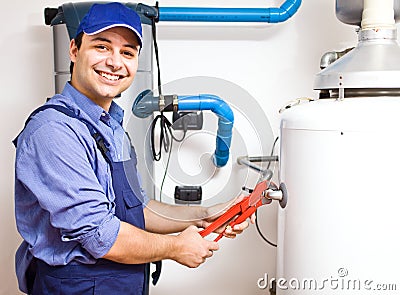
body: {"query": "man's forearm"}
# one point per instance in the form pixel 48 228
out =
pixel 163 218
pixel 135 246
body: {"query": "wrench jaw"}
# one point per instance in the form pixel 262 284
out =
pixel 266 200
pixel 258 192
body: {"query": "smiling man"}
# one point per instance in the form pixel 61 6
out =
pixel 105 63
pixel 87 226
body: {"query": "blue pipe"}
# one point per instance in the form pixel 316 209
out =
pixel 146 103
pixel 225 121
pixel 196 14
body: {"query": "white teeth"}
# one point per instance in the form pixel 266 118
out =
pixel 109 76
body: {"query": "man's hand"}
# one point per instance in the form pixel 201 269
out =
pixel 217 210
pixel 192 249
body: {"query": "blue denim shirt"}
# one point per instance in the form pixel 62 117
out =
pixel 63 188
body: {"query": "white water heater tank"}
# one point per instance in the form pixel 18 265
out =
pixel 339 171
pixel 340 161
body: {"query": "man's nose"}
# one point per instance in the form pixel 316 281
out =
pixel 114 61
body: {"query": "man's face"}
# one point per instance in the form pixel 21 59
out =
pixel 105 65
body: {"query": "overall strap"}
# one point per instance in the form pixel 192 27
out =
pixel 101 143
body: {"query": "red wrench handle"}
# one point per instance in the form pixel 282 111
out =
pixel 241 218
pixel 238 220
pixel 224 218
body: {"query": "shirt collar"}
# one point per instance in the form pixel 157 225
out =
pixel 94 111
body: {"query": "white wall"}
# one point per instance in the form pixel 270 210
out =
pixel 274 63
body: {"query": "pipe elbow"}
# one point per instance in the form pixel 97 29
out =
pixel 286 11
pixel 145 104
pixel 219 107
pixel 327 59
pixel 332 56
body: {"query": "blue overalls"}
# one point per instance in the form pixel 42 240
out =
pixel 105 277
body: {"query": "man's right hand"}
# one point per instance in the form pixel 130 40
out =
pixel 191 249
pixel 135 246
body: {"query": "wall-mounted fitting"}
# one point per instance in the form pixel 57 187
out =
pixel 146 103
pixel 187 120
pixel 188 194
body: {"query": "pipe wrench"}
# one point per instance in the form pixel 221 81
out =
pixel 240 211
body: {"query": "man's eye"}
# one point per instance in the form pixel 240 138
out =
pixel 128 53
pixel 101 47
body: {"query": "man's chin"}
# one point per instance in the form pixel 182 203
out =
pixel 114 93
pixel 111 94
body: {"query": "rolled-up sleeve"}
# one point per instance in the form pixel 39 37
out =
pixel 99 241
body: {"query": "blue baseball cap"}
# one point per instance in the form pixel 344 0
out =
pixel 101 17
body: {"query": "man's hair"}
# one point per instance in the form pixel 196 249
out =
pixel 78 43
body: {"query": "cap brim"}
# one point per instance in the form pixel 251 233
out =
pixel 94 31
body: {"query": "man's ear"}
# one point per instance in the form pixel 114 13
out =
pixel 73 50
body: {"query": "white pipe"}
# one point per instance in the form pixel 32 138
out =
pixel 378 14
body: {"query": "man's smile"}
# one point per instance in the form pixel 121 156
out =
pixel 109 76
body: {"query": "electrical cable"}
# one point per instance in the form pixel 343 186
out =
pixel 169 150
pixel 260 233
pixel 154 32
pixel 165 171
pixel 166 134
pixel 257 225
pixel 272 151
pixel 165 124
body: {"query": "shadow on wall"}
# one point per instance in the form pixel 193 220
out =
pixel 219 31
